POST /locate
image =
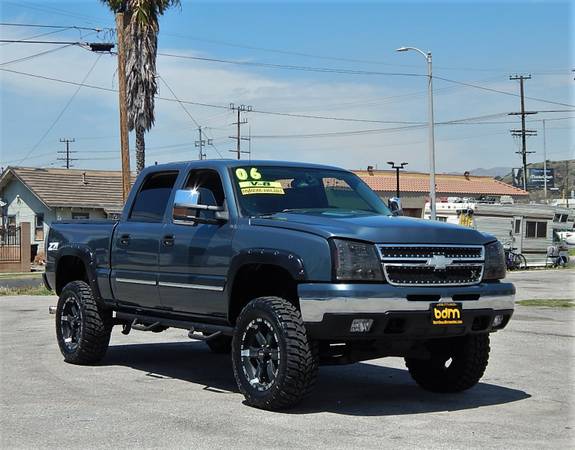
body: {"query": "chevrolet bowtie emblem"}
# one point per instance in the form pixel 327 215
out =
pixel 439 262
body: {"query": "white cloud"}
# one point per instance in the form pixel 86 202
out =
pixel 94 113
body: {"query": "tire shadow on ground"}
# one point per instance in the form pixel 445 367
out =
pixel 362 389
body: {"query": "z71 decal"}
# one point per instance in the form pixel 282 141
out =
pixel 53 246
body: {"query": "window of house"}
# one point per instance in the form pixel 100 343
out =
pixel 517 228
pixel 39 229
pixel 80 215
pixel 535 229
pixel 441 218
pixel 152 199
pixel 11 221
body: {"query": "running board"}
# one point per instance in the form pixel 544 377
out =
pixel 213 330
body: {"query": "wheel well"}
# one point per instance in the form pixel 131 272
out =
pixel 70 268
pixel 260 280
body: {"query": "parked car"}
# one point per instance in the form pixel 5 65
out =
pixel 287 266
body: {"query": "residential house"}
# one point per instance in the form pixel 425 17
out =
pixel 41 196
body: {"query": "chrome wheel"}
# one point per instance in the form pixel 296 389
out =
pixel 71 323
pixel 260 354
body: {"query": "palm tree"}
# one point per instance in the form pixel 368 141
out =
pixel 142 27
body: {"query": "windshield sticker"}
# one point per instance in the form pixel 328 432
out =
pixel 243 175
pixel 261 187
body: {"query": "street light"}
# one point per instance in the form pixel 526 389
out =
pixel 431 131
pixel 397 169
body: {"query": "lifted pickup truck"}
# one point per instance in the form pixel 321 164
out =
pixel 286 266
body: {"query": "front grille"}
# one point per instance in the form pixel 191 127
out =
pixel 420 251
pixel 425 275
pixel 432 265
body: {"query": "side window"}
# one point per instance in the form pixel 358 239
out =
pixel 517 226
pixel 541 229
pixel 209 185
pixel 152 199
pixel 39 227
pixel 536 229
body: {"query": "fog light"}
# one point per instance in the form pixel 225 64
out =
pixel 497 320
pixel 361 325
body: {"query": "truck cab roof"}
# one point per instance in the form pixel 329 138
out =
pixel 231 163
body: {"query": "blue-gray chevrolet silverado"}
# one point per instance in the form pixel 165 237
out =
pixel 286 266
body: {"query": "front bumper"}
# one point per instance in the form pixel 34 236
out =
pixel 328 309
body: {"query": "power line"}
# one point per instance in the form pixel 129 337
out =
pixel 334 58
pixel 36 36
pixel 284 51
pixel 293 67
pixel 502 92
pixel 53 124
pixel 208 105
pixel 36 55
pixel 188 113
pixel 20 41
pixel 352 72
pixel 64 27
pixel 52 10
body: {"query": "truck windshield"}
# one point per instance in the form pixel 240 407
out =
pixel 267 190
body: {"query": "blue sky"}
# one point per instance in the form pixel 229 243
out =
pixel 481 43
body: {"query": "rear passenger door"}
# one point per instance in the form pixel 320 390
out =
pixel 136 243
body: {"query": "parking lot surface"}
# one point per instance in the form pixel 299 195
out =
pixel 163 390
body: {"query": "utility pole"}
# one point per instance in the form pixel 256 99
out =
pixel 544 162
pixel 397 169
pixel 67 152
pixel 201 143
pixel 523 132
pixel 124 143
pixel 239 109
pixel 566 184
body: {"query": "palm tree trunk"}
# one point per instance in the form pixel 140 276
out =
pixel 140 149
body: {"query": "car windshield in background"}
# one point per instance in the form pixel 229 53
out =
pixel 267 190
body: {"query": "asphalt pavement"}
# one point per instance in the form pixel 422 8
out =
pixel 165 391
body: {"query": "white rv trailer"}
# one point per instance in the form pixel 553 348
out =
pixel 528 228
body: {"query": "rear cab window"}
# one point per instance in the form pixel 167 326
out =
pixel 152 199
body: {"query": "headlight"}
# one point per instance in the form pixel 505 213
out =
pixel 355 261
pixel 494 261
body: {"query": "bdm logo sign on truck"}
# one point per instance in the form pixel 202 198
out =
pixel 446 314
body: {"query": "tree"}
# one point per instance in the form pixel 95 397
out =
pixel 141 36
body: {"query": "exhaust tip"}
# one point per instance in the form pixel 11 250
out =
pixel 52 309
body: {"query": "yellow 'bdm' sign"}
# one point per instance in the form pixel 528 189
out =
pixel 446 314
pixel 261 187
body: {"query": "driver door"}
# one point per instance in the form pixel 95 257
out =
pixel 194 257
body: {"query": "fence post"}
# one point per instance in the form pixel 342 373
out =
pixel 25 249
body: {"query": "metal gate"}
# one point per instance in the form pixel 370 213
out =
pixel 10 244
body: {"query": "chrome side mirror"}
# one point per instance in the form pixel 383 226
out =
pixel 186 198
pixel 187 205
pixel 394 204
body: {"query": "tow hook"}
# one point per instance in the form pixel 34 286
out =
pixel 51 309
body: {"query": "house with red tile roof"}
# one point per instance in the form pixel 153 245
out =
pixel 414 188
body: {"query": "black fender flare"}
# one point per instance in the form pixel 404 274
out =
pixel 288 261
pixel 86 255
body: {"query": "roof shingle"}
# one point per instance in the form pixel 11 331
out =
pixel 385 181
pixel 69 188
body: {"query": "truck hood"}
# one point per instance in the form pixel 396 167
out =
pixel 374 228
